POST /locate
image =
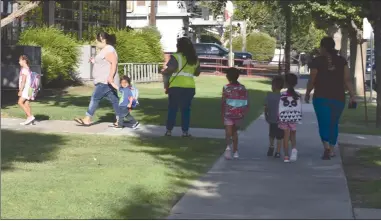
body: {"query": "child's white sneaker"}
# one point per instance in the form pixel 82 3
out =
pixel 136 125
pixel 228 153
pixel 28 120
pixel 294 154
pixel 236 155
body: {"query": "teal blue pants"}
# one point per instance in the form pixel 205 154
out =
pixel 328 113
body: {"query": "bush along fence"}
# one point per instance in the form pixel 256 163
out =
pixel 61 54
pixel 142 72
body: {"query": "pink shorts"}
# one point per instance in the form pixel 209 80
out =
pixel 285 126
pixel 230 122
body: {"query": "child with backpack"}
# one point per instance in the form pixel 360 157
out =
pixel 271 116
pixel 234 108
pixel 128 100
pixel 29 83
pixel 290 113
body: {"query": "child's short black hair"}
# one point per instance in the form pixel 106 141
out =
pixel 126 78
pixel 277 82
pixel 232 74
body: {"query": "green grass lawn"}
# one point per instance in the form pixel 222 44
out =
pixel 153 109
pixel 353 120
pixel 363 170
pixel 48 176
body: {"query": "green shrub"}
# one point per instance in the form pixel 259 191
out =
pixel 138 46
pixel 260 45
pixel 59 52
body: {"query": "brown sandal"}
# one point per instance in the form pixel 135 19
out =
pixel 81 123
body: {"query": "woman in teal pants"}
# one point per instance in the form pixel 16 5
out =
pixel 329 77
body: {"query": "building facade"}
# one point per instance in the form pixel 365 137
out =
pixel 82 19
pixel 174 19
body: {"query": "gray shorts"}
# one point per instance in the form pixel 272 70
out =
pixel 275 131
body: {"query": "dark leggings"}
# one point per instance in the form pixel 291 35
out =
pixel 328 113
pixel 179 98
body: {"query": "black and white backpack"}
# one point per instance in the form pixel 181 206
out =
pixel 290 108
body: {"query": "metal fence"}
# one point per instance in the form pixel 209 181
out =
pixel 142 72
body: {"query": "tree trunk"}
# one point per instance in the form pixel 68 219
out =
pixel 287 48
pixel 332 29
pixel 360 68
pixel 335 32
pixel 360 64
pixel 352 54
pixel 20 12
pixel 344 42
pixel 377 41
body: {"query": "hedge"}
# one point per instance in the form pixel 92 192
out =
pixel 138 46
pixel 59 52
pixel 261 45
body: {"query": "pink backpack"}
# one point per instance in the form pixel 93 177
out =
pixel 35 84
pixel 236 101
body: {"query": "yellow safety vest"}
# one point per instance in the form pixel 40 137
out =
pixel 185 78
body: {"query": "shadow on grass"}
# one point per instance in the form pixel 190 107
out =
pixel 362 166
pixel 41 117
pixel 153 110
pixel 27 147
pixel 189 161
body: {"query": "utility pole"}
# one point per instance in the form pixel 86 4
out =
pixel 243 31
pixel 287 48
pixel 152 15
pixel 231 55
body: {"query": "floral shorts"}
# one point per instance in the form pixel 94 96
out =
pixel 285 126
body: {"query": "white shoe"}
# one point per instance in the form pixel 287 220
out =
pixel 294 154
pixel 136 125
pixel 28 121
pixel 228 153
pixel 236 155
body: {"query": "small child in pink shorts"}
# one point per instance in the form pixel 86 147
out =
pixel 234 107
pixel 290 113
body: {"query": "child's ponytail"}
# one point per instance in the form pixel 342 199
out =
pixel 292 81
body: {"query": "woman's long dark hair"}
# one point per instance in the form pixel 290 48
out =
pixel 110 39
pixel 185 47
pixel 329 45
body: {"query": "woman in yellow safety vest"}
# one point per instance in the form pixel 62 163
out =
pixel 181 69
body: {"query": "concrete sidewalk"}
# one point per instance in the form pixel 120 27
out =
pixel 57 126
pixel 261 187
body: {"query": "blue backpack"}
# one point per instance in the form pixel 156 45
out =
pixel 135 95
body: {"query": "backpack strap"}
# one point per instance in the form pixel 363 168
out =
pixel 169 84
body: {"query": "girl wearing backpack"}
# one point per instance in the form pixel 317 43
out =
pixel 234 108
pixel 290 114
pixel 24 88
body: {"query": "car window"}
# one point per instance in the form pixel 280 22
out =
pixel 214 50
pixel 199 49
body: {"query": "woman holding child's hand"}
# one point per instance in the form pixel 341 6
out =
pixel 329 78
pixel 105 72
